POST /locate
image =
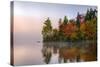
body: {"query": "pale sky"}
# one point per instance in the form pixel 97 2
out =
pixel 48 9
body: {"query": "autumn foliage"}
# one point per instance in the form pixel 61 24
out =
pixel 83 27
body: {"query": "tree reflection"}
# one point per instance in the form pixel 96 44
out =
pixel 46 51
pixel 69 52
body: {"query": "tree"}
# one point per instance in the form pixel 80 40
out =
pixel 55 35
pixel 60 23
pixel 95 13
pixel 48 24
pixel 90 14
pixel 91 29
pixel 74 36
pixel 47 30
pixel 61 35
pixel 69 29
pixel 65 20
pixel 84 27
pixel 87 15
pixel 78 20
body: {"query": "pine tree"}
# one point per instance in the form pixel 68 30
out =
pixel 78 20
pixel 87 15
pixel 47 30
pixel 65 20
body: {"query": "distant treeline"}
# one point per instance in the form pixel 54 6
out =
pixel 83 27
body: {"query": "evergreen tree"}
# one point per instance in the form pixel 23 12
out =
pixel 65 20
pixel 78 20
pixel 48 24
pixel 91 13
pixel 95 13
pixel 87 15
pixel 47 30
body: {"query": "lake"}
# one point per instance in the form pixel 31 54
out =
pixel 54 52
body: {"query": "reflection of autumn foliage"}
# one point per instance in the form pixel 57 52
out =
pixel 88 53
pixel 68 53
pixel 91 54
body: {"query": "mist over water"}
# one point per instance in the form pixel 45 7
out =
pixel 52 52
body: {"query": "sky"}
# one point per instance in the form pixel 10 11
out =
pixel 49 9
pixel 30 16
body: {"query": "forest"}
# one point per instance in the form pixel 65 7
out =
pixel 83 27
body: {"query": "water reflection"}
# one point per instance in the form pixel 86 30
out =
pixel 54 52
pixel 47 54
pixel 69 51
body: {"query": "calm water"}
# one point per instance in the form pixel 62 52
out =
pixel 54 52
